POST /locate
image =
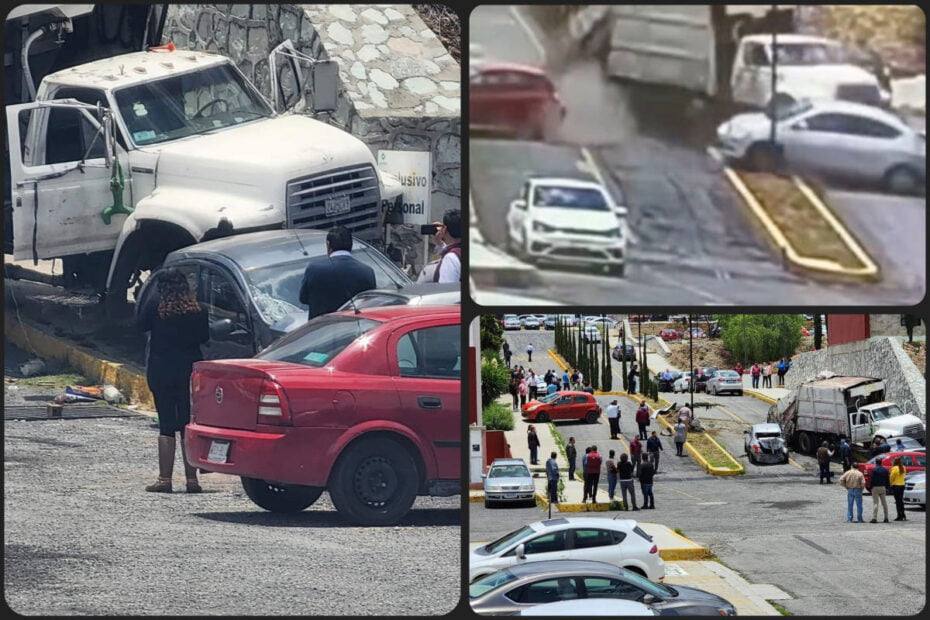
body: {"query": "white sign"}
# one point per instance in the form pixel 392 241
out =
pixel 414 171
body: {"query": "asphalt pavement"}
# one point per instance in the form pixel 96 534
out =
pixel 694 242
pixel 775 524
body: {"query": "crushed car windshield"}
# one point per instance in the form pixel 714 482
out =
pixel 187 104
pixel 883 413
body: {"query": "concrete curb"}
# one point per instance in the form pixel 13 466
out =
pixel 869 269
pixel 762 397
pixel 126 378
pixel 715 471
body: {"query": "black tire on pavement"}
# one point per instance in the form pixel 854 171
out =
pixel 374 482
pixel 805 443
pixel 903 180
pixel 591 417
pixel 542 417
pixel 284 498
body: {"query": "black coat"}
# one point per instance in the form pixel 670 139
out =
pixel 879 478
pixel 330 281
pixel 646 473
pixel 174 344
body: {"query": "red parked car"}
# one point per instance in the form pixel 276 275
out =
pixel 669 334
pixel 366 405
pixel 513 99
pixel 912 461
pixel 565 405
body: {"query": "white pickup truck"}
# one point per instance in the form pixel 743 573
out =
pixel 119 161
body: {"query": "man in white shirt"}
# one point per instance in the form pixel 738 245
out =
pixel 529 352
pixel 613 418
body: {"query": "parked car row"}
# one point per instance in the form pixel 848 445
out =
pixel 295 407
pixel 553 563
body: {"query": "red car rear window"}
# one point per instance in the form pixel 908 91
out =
pixel 319 341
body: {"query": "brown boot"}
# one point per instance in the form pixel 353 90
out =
pixel 190 472
pixel 166 451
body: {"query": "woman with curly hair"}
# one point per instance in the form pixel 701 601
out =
pixel 178 326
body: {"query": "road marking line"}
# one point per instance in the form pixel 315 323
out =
pixel 715 155
pixel 534 39
pixel 591 166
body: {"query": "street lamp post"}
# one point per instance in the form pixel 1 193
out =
pixel 774 99
pixel 691 356
pixel 642 353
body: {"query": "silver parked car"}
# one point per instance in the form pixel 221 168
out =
pixel 590 607
pixel 509 480
pixel 915 489
pixel 417 294
pixel 725 381
pixel 766 444
pixel 510 590
pixel 837 139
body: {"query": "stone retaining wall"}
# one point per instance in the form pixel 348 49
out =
pixel 400 88
pixel 880 357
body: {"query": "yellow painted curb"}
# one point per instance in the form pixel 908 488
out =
pixel 558 359
pixel 762 397
pixel 126 378
pixel 869 268
pixel 715 471
pixel 598 507
pixel 476 499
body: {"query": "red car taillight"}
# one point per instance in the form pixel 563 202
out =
pixel 194 387
pixel 755 447
pixel 272 405
pixel 655 549
pixel 721 380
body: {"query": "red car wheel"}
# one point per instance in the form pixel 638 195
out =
pixel 280 497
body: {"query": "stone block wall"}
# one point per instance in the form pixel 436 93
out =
pixel 890 325
pixel 400 88
pixel 880 357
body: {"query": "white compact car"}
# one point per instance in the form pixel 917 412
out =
pixel 835 139
pixel 567 222
pixel 620 542
pixel 512 321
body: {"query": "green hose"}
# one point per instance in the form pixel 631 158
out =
pixel 116 186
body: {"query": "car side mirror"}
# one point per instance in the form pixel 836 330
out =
pixel 221 329
pixel 800 126
pixel 649 599
pixel 746 432
pixel 520 551
pixel 483 476
pixel 519 204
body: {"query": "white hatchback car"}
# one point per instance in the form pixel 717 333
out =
pixel 620 542
pixel 567 222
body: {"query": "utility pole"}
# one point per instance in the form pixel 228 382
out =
pixel 691 356
pixel 642 354
pixel 774 99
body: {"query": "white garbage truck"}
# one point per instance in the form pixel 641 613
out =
pixel 838 406
pixel 115 163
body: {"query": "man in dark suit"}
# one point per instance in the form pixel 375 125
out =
pixel 331 281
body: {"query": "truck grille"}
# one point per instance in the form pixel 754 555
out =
pixel 859 93
pixel 349 197
pixel 915 431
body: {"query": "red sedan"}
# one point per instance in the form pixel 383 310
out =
pixel 912 461
pixel 516 100
pixel 365 405
pixel 565 405
pixel 669 334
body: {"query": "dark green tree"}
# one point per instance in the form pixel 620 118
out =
pixel 818 331
pixel 759 337
pixel 492 333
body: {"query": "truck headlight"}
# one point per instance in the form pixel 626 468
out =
pixel 920 486
pixel 527 487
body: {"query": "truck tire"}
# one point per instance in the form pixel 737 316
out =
pixel 805 443
pixel 280 497
pixel 374 482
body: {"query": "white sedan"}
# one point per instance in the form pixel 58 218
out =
pixel 591 333
pixel 836 139
pixel 620 542
pixel 567 222
pixel 682 383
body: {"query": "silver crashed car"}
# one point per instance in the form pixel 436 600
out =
pixel 509 480
pixel 766 444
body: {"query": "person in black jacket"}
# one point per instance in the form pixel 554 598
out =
pixel 178 326
pixel 646 472
pixel 332 280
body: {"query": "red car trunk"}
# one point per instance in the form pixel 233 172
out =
pixel 226 393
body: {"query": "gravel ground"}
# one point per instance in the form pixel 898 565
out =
pixel 83 538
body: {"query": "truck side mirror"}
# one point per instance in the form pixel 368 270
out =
pixel 324 79
pixel 325 84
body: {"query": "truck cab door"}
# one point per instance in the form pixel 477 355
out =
pixel 859 427
pixel 60 180
pixel 288 80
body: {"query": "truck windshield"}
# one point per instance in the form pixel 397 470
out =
pixel 187 104
pixel 809 54
pixel 889 411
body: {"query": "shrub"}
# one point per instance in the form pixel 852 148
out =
pixel 497 417
pixel 495 377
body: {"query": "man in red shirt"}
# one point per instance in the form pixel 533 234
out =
pixel 593 469
pixel 636 454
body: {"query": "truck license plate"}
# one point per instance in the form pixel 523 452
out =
pixel 219 450
pixel 337 204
